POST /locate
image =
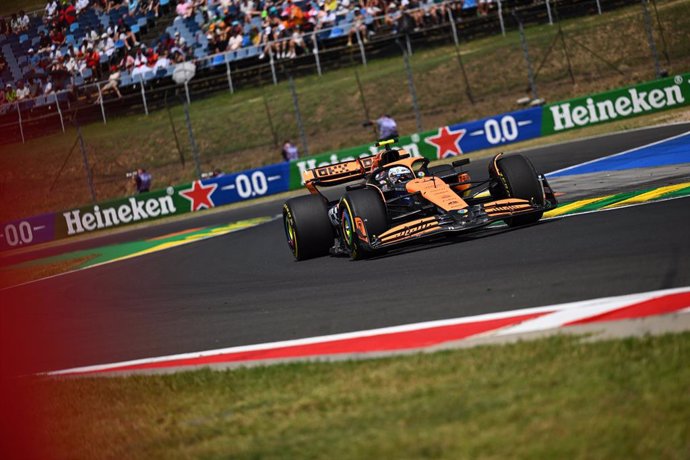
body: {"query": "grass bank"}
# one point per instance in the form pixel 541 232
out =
pixel 552 398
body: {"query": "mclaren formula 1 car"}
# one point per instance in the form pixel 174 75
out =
pixel 392 199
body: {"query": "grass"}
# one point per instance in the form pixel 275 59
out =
pixel 8 7
pixel 233 131
pixel 552 398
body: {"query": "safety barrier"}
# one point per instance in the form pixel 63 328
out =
pixel 444 142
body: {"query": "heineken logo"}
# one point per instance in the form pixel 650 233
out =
pixel 133 210
pixel 631 102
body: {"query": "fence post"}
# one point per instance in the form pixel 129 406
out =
pixel 468 90
pixel 316 53
pixel 599 7
pixel 364 104
pixel 270 120
pixel 361 48
pixel 525 52
pixel 650 39
pixel 57 104
pixel 100 98
pixel 227 71
pixel 143 94
pixel 21 128
pixel 298 115
pixel 273 65
pixel 409 45
pixel 413 91
pixel 186 92
pixel 500 18
pixel 453 27
pixel 192 141
pixel 174 130
pixel 87 169
pixel 548 11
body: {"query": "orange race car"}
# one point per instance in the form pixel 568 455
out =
pixel 393 198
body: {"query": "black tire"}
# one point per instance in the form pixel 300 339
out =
pixel 307 227
pixel 518 179
pixel 368 205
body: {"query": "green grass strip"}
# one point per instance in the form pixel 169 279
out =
pixel 116 251
pixel 552 398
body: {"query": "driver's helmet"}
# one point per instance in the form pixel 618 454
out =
pixel 399 175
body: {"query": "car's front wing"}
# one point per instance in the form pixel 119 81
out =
pixel 464 220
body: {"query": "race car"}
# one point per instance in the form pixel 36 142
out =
pixel 392 199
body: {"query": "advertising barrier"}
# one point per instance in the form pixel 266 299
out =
pixel 642 99
pixel 444 142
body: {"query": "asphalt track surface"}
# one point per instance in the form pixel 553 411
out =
pixel 245 288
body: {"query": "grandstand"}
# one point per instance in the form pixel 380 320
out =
pixel 130 40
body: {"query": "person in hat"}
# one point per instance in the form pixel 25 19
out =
pixel 10 94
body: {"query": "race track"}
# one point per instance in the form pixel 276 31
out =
pixel 245 288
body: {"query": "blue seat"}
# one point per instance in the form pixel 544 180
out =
pixel 74 26
pixel 70 40
pixel 119 44
pixel 164 2
pixel 23 38
pixel 246 40
pixel 149 75
pixel 135 28
pixel 142 22
pixel 218 59
pixel 336 32
pixel 86 73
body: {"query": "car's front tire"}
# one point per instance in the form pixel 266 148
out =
pixel 368 205
pixel 515 177
pixel 307 227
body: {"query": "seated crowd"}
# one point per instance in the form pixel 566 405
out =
pixel 281 28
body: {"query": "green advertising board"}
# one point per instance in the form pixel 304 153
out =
pixel 140 208
pixel 642 99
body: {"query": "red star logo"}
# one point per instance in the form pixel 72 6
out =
pixel 200 195
pixel 447 142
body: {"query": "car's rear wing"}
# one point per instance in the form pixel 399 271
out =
pixel 337 174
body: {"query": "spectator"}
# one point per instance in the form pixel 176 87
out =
pixel 386 127
pixel 357 26
pixel 289 151
pixel 10 94
pixel 297 40
pixel 483 7
pixel 3 63
pixel 23 91
pixel 24 21
pixel 4 27
pixel 235 41
pixel 15 25
pixel 112 85
pixel 81 5
pixel 50 11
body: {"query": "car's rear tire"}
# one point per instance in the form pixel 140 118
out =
pixel 368 205
pixel 307 227
pixel 516 178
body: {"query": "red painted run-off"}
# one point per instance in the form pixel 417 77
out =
pixel 382 342
pixel 425 336
pixel 659 306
